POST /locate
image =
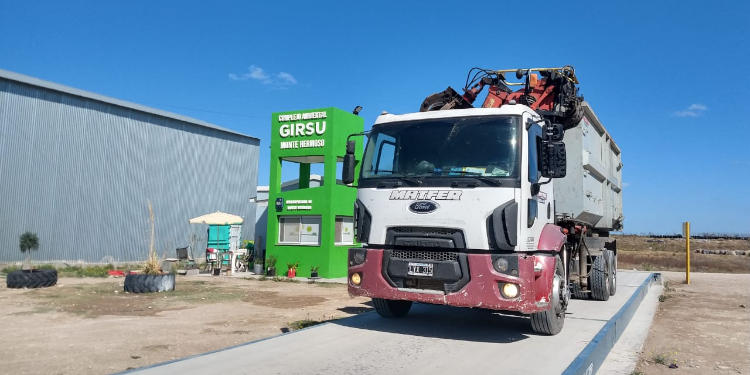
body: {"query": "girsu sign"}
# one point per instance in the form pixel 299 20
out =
pixel 298 125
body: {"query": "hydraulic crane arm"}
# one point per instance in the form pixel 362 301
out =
pixel 554 95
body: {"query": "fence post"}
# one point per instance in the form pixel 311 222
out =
pixel 686 233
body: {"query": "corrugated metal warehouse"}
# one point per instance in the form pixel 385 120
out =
pixel 78 169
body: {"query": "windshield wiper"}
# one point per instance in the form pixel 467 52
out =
pixel 478 176
pixel 412 180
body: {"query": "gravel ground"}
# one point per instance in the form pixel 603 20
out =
pixel 89 326
pixel 701 328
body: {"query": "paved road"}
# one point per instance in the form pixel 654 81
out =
pixel 431 340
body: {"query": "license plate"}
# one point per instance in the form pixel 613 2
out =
pixel 420 269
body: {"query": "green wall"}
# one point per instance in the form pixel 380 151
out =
pixel 327 201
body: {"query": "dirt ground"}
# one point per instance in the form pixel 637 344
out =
pixel 662 254
pixel 702 328
pixel 90 326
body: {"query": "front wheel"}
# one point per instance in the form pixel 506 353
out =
pixel 550 322
pixel 391 308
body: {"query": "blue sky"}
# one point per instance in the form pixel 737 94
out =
pixel 669 79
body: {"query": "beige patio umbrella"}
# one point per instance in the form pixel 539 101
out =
pixel 217 218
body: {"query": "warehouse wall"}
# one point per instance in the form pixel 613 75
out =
pixel 79 173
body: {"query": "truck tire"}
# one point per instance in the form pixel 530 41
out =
pixel 612 279
pixel 391 308
pixel 577 292
pixel 31 279
pixel 142 283
pixel 550 321
pixel 599 279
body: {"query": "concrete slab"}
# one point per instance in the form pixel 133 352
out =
pixel 623 357
pixel 432 339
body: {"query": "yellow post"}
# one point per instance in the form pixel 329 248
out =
pixel 686 232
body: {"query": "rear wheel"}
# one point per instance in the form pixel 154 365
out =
pixel 391 308
pixel 612 257
pixel 550 322
pixel 600 278
pixel 577 292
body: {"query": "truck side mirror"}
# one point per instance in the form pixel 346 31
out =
pixel 554 159
pixel 347 174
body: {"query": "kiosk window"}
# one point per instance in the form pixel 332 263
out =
pixel 299 230
pixel 344 230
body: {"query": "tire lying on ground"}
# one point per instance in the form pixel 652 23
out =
pixel 31 278
pixel 141 283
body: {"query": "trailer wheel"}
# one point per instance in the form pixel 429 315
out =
pixel 391 308
pixel 600 278
pixel 612 257
pixel 577 292
pixel 550 322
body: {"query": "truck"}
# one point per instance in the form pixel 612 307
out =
pixel 508 206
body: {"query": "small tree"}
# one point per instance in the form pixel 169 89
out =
pixel 27 242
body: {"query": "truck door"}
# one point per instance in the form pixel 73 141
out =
pixel 537 208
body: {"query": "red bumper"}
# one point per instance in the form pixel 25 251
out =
pixel 482 290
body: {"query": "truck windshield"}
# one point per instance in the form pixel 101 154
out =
pixel 480 148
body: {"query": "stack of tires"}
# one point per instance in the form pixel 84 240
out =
pixel 31 279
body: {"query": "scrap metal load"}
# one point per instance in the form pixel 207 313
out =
pixel 554 96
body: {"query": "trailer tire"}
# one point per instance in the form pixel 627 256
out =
pixel 391 308
pixel 550 322
pixel 612 279
pixel 31 279
pixel 577 292
pixel 600 278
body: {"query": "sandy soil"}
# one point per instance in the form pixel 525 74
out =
pixel 89 326
pixel 702 328
pixel 668 254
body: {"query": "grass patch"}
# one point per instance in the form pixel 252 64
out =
pixel 667 293
pixel 665 359
pixel 8 269
pixel 85 271
pixel 660 359
pixel 304 323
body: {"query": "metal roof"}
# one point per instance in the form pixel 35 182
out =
pixel 105 99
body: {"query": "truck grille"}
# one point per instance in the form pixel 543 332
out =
pixel 444 256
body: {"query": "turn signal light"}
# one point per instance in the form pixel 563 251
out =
pixel 356 278
pixel 533 80
pixel 509 290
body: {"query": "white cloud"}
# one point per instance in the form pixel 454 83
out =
pixel 694 110
pixel 287 78
pixel 257 73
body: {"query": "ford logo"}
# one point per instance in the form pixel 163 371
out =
pixel 423 207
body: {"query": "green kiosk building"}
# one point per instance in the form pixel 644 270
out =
pixel 311 225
